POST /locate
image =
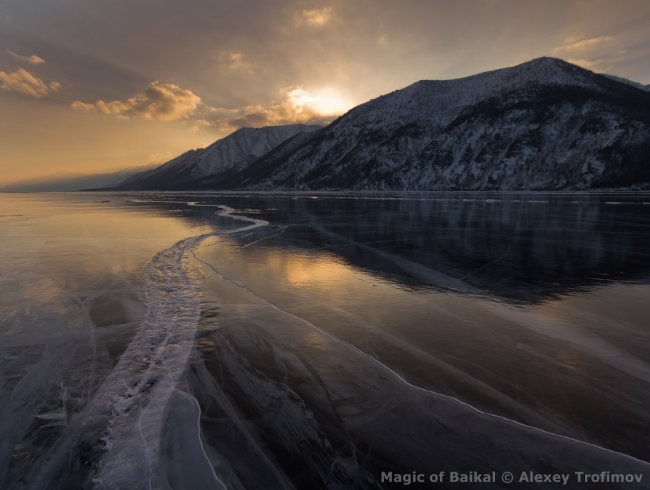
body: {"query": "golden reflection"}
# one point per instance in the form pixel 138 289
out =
pixel 73 239
pixel 301 270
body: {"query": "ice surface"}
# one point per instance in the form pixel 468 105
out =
pixel 314 341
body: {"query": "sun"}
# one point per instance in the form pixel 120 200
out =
pixel 326 101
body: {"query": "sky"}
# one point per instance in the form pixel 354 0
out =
pixel 88 86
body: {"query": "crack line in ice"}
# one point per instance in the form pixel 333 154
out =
pixel 403 380
pixel 130 404
pixel 166 338
pixel 202 446
pixel 255 242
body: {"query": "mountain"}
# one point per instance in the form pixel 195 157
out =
pixel 629 82
pixel 544 124
pixel 72 181
pixel 236 150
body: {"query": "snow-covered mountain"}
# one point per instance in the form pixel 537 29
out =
pixel 629 82
pixel 544 124
pixel 235 151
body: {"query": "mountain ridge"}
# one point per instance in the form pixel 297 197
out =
pixel 544 124
pixel 236 149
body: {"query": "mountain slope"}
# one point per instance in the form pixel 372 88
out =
pixel 544 124
pixel 629 82
pixel 234 151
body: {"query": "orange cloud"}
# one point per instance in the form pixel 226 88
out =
pixel 169 102
pixel 160 101
pixel 236 61
pixel 26 83
pixel 591 53
pixel 82 106
pixel 32 60
pixel 583 45
pixel 314 17
pixel 296 105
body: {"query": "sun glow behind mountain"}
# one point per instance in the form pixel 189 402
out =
pixel 325 101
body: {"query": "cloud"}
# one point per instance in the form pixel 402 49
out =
pixel 82 106
pixel 593 65
pixel 314 17
pixel 32 59
pixel 583 45
pixel 169 102
pixel 296 105
pixel 160 101
pixel 591 53
pixel 26 83
pixel 236 61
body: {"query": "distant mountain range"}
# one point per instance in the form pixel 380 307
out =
pixel 543 125
pixel 198 167
pixel 73 181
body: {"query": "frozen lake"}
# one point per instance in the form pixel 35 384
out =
pixel 263 341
